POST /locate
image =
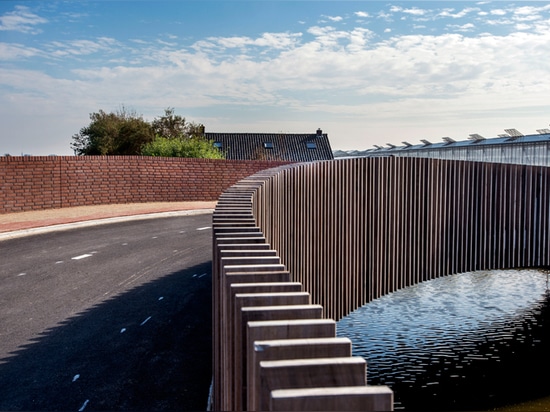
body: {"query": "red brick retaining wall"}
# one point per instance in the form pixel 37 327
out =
pixel 47 182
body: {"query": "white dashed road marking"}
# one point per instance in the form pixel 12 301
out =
pixel 84 405
pixel 204 228
pixel 145 321
pixel 82 256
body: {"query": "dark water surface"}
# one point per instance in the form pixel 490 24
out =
pixel 473 341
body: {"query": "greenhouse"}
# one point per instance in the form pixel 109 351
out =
pixel 512 147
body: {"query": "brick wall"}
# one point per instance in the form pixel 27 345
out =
pixel 44 182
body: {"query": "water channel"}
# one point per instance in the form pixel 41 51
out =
pixel 472 341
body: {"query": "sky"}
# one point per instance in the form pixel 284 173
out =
pixel 365 72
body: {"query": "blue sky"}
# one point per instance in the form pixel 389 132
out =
pixel 366 72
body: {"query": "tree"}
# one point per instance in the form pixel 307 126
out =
pixel 173 126
pixel 120 133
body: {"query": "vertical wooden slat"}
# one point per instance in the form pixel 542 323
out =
pixel 543 217
pixel 508 228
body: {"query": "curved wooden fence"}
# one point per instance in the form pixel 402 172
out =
pixel 298 247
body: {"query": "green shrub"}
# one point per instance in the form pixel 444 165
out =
pixel 196 147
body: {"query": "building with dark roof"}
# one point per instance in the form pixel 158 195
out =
pixel 273 146
pixel 511 147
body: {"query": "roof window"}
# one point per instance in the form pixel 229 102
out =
pixel 311 145
pixel 219 145
pixel 268 145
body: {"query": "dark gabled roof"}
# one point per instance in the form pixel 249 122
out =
pixel 273 146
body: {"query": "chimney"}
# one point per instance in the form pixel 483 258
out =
pixel 319 132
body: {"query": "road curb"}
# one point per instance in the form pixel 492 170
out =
pixel 95 222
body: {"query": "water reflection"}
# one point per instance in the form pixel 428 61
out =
pixel 463 342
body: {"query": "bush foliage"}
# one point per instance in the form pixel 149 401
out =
pixel 197 147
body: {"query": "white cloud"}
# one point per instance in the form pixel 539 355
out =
pixel 530 10
pixel 501 22
pixel 233 42
pixel 468 27
pixel 361 14
pixel 268 40
pixel 278 40
pixel 327 36
pixel 21 20
pixel 166 43
pixel 139 41
pixel 526 16
pixel 385 16
pixel 520 13
pixel 521 17
pixel 81 47
pixel 541 26
pixel 414 11
pixel 458 15
pixel 12 51
pixel 522 27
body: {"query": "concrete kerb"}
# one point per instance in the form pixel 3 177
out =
pixel 96 222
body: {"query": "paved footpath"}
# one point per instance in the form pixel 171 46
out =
pixel 26 223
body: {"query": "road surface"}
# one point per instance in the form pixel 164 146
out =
pixel 112 317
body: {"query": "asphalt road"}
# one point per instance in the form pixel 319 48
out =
pixel 112 317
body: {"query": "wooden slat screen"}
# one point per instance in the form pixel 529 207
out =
pixel 350 231
pixel 353 230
